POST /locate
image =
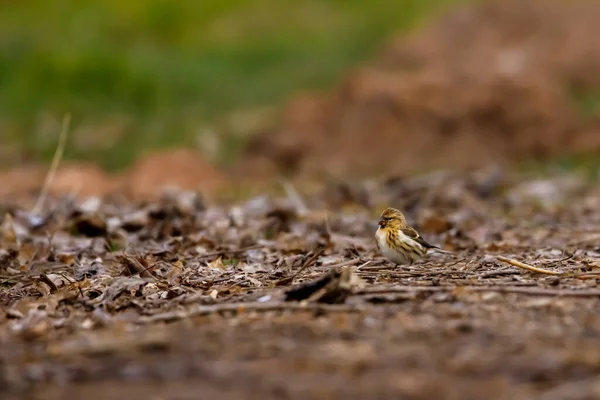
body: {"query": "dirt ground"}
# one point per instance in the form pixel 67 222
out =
pixel 286 297
pixel 182 168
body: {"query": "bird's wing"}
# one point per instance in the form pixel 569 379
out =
pixel 414 235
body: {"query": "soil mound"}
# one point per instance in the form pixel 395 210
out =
pixel 185 169
pixel 146 179
pixel 491 82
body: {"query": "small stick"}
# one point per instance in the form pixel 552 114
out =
pixel 528 267
pixel 501 289
pixel 62 139
pixel 540 291
pixel 326 218
pixel 403 289
pixel 376 268
pixel 454 263
pixel 308 263
pixel 346 263
pixel 489 274
pixel 360 267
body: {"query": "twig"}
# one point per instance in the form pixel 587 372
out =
pixel 403 289
pixel 346 263
pixel 528 267
pixel 501 289
pixel 65 277
pixel 380 267
pixel 245 307
pixel 540 291
pixel 62 140
pixel 360 267
pixel 456 262
pixel 583 275
pixel 488 274
pixel 308 263
pixel 327 226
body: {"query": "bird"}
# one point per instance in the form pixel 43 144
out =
pixel 399 242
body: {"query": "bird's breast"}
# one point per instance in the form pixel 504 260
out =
pixel 389 252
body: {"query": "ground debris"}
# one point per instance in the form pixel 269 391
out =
pixel 205 292
pixel 333 288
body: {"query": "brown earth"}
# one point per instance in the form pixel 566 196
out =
pixel 498 82
pixel 148 176
pixel 180 299
pixel 185 169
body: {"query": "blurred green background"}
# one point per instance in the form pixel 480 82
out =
pixel 143 75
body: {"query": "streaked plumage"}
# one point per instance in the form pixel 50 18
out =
pixel 397 241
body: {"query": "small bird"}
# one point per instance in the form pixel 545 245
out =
pixel 398 242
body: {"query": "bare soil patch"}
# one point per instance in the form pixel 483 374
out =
pixel 151 173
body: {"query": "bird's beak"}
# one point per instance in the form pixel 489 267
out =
pixel 381 223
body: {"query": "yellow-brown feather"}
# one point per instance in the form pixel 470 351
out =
pixel 408 247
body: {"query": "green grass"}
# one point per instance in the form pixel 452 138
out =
pixel 151 74
pixel 587 165
pixel 586 101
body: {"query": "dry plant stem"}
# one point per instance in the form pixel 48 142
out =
pixel 326 218
pixel 360 267
pixel 376 268
pixel 294 196
pixel 489 274
pixel 456 262
pixel 246 307
pixel 62 140
pixel 354 261
pixel 527 266
pixel 449 273
pixel 584 275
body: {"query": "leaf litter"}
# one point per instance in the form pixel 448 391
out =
pixel 179 290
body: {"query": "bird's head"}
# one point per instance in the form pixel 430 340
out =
pixel 392 218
